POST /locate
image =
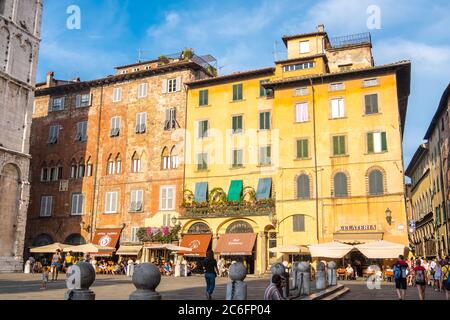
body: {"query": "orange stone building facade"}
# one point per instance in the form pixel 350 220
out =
pixel 107 154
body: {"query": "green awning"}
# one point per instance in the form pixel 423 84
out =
pixel 264 189
pixel 201 192
pixel 235 191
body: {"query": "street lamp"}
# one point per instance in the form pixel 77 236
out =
pixel 388 216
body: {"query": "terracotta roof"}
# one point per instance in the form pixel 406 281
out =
pixel 232 76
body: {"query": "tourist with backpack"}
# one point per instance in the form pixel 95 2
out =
pixel 446 277
pixel 400 269
pixel 420 278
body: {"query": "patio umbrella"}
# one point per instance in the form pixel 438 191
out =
pixel 51 248
pixel 330 250
pixel 381 249
pixel 89 248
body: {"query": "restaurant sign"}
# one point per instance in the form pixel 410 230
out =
pixel 359 228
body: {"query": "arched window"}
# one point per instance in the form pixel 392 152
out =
pixel 118 164
pixel 89 168
pixel 75 240
pixel 340 185
pixel 73 169
pixel 136 163
pixel 165 159
pixel 81 169
pixel 111 165
pixel 240 227
pixel 376 187
pixel 303 188
pixel 199 227
pixel 174 159
pixel 42 240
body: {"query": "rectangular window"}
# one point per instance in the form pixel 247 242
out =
pixel 337 86
pixel 262 91
pixel 77 204
pixel 115 127
pixel 142 90
pixel 167 198
pixel 236 124
pixel 237 158
pixel 376 142
pixel 136 165
pixel 57 104
pixel 89 170
pixel 302 112
pixel 73 171
pixel 202 161
pixel 237 92
pixel 265 156
pixel 141 122
pixel 81 171
pixel 304 47
pixel 299 223
pixel 371 103
pixel 53 134
pixel 203 98
pixel 301 92
pixel 81 135
pixel 337 108
pixel 53 174
pixel 171 85
pixel 300 66
pixel 117 94
pixel 203 129
pixel 370 83
pixel 45 175
pixel 83 100
pixel 134 236
pixel 60 173
pixel 111 202
pixel 264 120
pixel 302 149
pixel 339 147
pixel 46 206
pixel 171 119
pixel 136 200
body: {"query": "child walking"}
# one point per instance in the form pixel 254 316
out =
pixel 44 278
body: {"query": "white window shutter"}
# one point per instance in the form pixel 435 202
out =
pixel 78 101
pixel 164 86
pixel 178 84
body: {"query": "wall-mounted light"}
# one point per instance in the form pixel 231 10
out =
pixel 388 216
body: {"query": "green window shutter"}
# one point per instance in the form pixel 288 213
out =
pixel 241 94
pixel 267 116
pixel 383 141
pixel 261 121
pixel 299 149
pixel 239 123
pixel 305 149
pixel 335 146
pixel 370 147
pixel 234 92
pixel 341 145
pixel 235 191
pixel 371 102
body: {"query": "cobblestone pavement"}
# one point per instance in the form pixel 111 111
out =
pixel 107 287
pixel 360 291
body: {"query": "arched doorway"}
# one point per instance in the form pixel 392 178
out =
pixel 9 208
pixel 75 240
pixel 42 240
pixel 240 227
pixel 199 228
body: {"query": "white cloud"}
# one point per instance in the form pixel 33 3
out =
pixel 171 21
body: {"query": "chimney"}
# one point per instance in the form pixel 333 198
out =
pixel 50 79
pixel 320 28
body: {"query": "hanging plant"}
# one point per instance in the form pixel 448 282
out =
pixel 248 195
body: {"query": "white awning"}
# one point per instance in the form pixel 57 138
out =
pixel 381 250
pixel 90 248
pixel 51 248
pixel 129 250
pixel 290 249
pixel 330 250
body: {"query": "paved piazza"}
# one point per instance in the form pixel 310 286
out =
pixel 106 287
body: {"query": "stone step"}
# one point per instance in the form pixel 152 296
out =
pixel 337 294
pixel 324 293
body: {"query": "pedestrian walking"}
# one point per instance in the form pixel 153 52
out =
pixel 210 267
pixel 44 278
pixel 421 279
pixel 400 268
pixel 68 261
pixel 446 277
pixel 56 264
pixel 437 276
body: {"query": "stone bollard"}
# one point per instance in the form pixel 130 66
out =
pixel 280 269
pixel 332 281
pixel 294 275
pixel 80 277
pixel 146 278
pixel 321 276
pixel 304 278
pixel 237 288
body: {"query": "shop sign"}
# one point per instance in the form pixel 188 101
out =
pixel 359 228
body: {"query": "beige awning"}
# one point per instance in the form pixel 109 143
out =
pixel 290 249
pixel 333 249
pixel 51 248
pixel 129 250
pixel 358 237
pixel 382 250
pixel 90 248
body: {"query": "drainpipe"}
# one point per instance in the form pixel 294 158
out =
pixel 315 158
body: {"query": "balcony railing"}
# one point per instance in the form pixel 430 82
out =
pixel 350 40
pixel 229 209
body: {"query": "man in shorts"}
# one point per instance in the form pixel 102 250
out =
pixel 400 268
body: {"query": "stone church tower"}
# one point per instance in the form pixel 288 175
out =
pixel 20 23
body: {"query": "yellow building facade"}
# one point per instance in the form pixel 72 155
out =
pixel 307 152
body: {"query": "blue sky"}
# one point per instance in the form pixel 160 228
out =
pixel 242 36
